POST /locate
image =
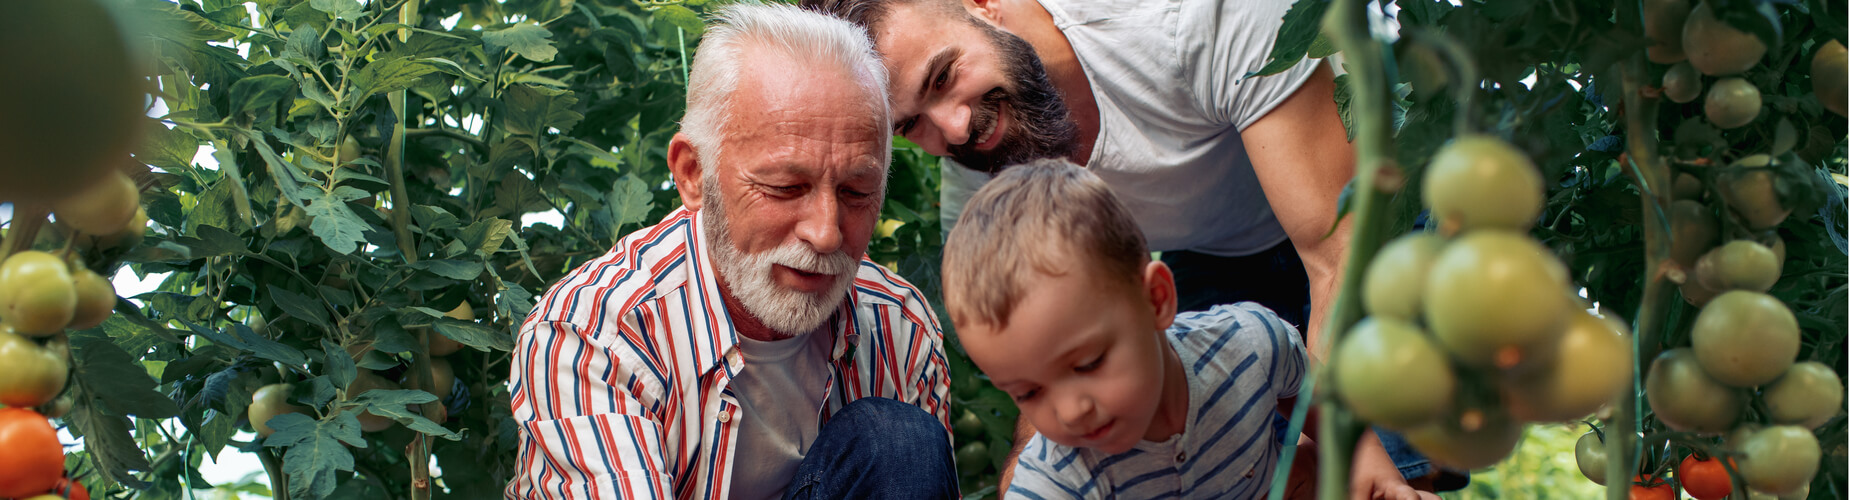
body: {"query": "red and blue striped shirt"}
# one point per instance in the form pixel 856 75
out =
pixel 620 373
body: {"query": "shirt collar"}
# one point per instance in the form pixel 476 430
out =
pixel 702 276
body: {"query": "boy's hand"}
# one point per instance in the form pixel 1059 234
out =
pixel 1374 476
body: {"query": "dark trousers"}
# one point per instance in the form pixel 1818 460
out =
pixel 877 448
pixel 1275 278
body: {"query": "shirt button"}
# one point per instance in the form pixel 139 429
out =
pixel 725 416
pixel 1182 457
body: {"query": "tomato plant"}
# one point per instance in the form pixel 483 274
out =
pixel 1704 478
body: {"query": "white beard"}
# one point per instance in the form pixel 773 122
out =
pixel 748 276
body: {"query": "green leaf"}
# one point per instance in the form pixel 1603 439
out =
pixel 485 236
pixel 532 110
pixel 474 334
pixel 343 9
pixel 394 404
pixel 337 226
pixel 527 39
pixel 260 92
pixel 336 364
pixel 1302 25
pixel 629 202
pixel 452 269
pixel 211 241
pixel 300 306
pixel 1321 47
pixel 1343 97
pixel 315 451
pixel 124 385
pixel 515 196
pixel 241 337
pixel 684 18
pixel 107 440
pixel 388 75
pixel 170 149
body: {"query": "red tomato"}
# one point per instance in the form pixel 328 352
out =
pixel 31 459
pixel 70 490
pixel 1704 479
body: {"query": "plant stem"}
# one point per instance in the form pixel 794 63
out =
pixel 24 229
pixel 419 450
pixel 1652 177
pixel 1377 178
pixel 272 465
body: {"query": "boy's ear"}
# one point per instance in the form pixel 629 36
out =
pixel 1159 285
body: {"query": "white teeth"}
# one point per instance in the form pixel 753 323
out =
pixel 983 138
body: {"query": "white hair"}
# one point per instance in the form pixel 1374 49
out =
pixel 811 39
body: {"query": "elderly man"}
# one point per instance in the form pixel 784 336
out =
pixel 743 348
pixel 1234 179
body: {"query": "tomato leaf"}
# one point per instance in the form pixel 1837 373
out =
pixel 527 39
pixel 106 438
pixel 1303 25
pixel 315 450
pixel 533 109
pixel 299 306
pixel 474 334
pixel 394 404
pixel 121 381
pixel 337 365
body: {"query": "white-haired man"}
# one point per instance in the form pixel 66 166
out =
pixel 743 348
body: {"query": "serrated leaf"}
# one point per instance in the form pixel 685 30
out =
pixel 121 381
pixel 629 202
pixel 315 451
pixel 338 227
pixel 1302 25
pixel 170 149
pixel 394 404
pixel 516 196
pixel 1343 97
pixel 260 92
pixel 527 39
pixel 474 334
pixel 299 306
pixel 1322 47
pixel 533 109
pixel 107 440
pixel 684 18
pixel 485 236
pixel 389 75
pixel 241 337
pixel 343 9
pixel 337 365
pixel 212 241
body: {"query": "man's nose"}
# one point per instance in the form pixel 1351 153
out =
pixel 819 224
pixel 953 121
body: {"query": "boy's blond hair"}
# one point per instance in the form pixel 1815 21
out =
pixel 1043 216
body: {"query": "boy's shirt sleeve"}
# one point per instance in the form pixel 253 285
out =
pixel 1288 357
pixel 1048 471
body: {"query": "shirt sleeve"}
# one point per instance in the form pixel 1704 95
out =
pixel 930 370
pixel 1288 357
pixel 1046 471
pixel 1226 40
pixel 580 435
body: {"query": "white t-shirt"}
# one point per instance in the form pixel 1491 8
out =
pixel 1167 76
pixel 780 393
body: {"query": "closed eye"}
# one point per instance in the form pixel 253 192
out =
pixel 1026 396
pixel 1090 365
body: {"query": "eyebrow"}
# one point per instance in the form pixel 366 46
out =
pixel 938 60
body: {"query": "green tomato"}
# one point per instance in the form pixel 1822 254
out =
pixel 1745 339
pixel 1808 395
pixel 1591 365
pixel 1590 456
pixel 1780 459
pixel 1686 399
pixel 30 375
pixel 37 294
pixel 1378 359
pixel 1731 103
pixel 1477 440
pixel 1481 182
pixel 1717 48
pixel 1396 279
pixel 1496 299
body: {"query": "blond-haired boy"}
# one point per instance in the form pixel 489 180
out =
pixel 1055 297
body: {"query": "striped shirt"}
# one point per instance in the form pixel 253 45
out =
pixel 620 373
pixel 1240 359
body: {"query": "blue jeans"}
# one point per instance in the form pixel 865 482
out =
pixel 1275 278
pixel 877 448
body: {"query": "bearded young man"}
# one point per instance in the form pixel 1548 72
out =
pixel 1234 179
pixel 743 347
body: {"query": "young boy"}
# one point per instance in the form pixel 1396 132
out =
pixel 1055 297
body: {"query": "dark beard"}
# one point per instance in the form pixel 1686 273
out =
pixel 1040 125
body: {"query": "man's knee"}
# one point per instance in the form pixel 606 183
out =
pixel 887 426
pixel 878 447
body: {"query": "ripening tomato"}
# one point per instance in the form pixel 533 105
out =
pixel 1704 479
pixel 70 490
pixel 1659 491
pixel 34 460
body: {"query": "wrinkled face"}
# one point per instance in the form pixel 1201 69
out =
pixel 793 200
pixel 1081 355
pixel 965 89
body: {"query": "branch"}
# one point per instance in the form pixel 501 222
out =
pixel 1652 177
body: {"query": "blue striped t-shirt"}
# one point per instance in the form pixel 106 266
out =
pixel 1240 359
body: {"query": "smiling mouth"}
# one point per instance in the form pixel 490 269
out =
pixel 991 133
pixel 1099 433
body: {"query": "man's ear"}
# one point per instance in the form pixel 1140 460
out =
pixel 1159 284
pixel 684 164
pixel 988 10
